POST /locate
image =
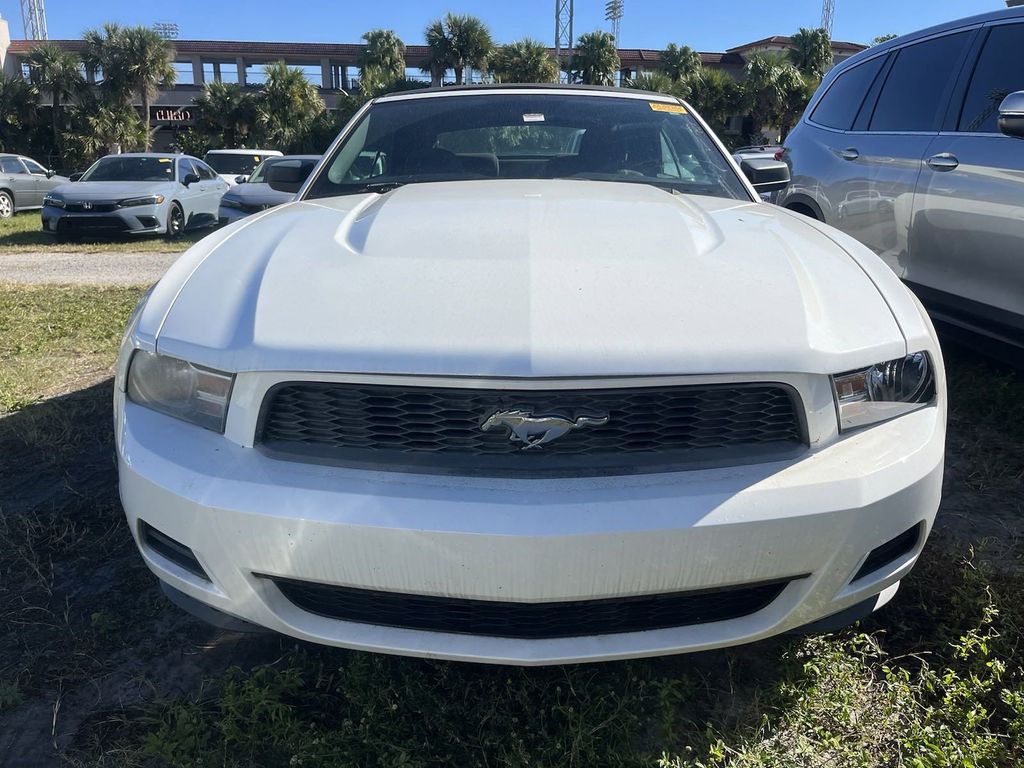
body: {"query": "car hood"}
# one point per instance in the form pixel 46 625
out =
pixel 111 190
pixel 258 194
pixel 525 278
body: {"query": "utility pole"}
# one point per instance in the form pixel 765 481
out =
pixel 563 34
pixel 33 18
pixel 828 13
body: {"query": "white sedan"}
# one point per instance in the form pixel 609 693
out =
pixel 529 375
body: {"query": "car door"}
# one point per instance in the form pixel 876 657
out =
pixel 190 197
pixel 967 242
pixel 40 180
pixel 883 151
pixel 212 187
pixel 21 183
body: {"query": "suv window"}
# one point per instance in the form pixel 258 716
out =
pixel 841 103
pixel 998 74
pixel 912 98
pixel 11 165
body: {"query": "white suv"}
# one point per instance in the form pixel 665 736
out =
pixel 236 165
pixel 530 375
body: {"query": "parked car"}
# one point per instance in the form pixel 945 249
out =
pixel 235 165
pixel 530 375
pixel 135 194
pixel 914 148
pixel 288 173
pixel 23 184
pixel 767 151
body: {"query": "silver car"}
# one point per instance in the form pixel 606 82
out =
pixel 23 184
pixel 914 148
pixel 136 194
pixel 274 182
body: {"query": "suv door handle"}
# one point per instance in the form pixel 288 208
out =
pixel 945 161
pixel 850 153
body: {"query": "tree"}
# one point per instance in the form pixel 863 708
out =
pixel 382 60
pixel 457 42
pixel 103 55
pixel 55 71
pixel 658 82
pixel 113 127
pixel 148 62
pixel 228 110
pixel 795 89
pixel 525 61
pixel 679 62
pixel 776 91
pixel 716 96
pixel 287 108
pixel 596 59
pixel 811 51
pixel 17 109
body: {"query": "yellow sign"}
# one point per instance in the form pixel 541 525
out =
pixel 675 109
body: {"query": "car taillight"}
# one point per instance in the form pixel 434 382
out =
pixel 779 153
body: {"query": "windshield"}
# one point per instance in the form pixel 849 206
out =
pixel 241 165
pixel 123 168
pixel 528 136
pixel 304 165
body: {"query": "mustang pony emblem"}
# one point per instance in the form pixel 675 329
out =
pixel 534 431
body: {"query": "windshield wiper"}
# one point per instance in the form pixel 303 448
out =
pixel 380 187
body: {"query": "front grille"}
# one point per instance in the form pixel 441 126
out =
pixel 649 429
pixel 75 224
pixel 93 207
pixel 577 618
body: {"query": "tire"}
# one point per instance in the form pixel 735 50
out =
pixel 6 205
pixel 175 222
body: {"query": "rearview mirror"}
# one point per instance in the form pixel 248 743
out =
pixel 1011 115
pixel 766 175
pixel 76 176
pixel 190 178
pixel 286 176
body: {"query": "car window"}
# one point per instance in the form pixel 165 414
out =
pixel 303 166
pixel 999 73
pixel 912 98
pixel 130 168
pixel 11 165
pixel 839 106
pixel 528 135
pixel 205 172
pixel 33 166
pixel 233 163
pixel 185 167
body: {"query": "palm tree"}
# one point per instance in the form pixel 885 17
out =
pixel 228 110
pixel 775 90
pixel 596 59
pixel 17 109
pixel 148 63
pixel 715 95
pixel 56 71
pixel 525 61
pixel 795 89
pixel 654 81
pixel 382 60
pixel 114 127
pixel 103 55
pixel 811 51
pixel 679 62
pixel 457 42
pixel 287 107
pixel 441 51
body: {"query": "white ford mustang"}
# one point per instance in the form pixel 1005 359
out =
pixel 529 375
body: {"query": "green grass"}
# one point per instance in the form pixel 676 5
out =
pixel 56 338
pixel 23 233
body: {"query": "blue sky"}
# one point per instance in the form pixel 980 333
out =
pixel 707 26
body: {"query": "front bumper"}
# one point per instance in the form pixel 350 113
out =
pixel 137 220
pixel 246 516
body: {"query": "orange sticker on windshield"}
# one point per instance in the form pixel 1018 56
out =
pixel 675 109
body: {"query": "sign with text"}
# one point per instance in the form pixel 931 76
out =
pixel 173 115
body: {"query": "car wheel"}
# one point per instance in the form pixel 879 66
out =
pixel 175 222
pixel 6 205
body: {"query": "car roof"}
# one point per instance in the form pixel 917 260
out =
pixel 243 151
pixel 949 26
pixel 565 89
pixel 171 155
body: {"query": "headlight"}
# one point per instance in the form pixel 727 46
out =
pixel 147 200
pixel 179 389
pixel 52 201
pixel 884 391
pixel 227 202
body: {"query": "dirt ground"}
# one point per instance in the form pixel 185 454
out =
pixel 92 636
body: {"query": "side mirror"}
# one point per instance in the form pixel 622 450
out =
pixel 76 176
pixel 241 179
pixel 766 175
pixel 1011 115
pixel 190 178
pixel 50 173
pixel 285 177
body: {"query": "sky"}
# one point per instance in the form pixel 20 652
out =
pixel 705 26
